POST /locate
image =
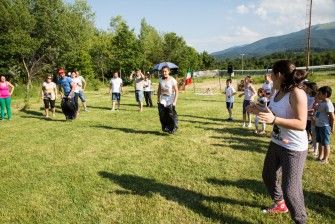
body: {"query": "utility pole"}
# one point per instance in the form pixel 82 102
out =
pixel 308 32
pixel 242 63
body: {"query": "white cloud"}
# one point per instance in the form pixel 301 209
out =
pixel 242 9
pixel 292 13
pixel 261 12
pixel 242 35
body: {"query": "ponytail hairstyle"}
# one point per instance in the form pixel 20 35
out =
pixel 291 76
pixel 249 77
pixel 313 87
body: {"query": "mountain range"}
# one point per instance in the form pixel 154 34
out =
pixel 322 38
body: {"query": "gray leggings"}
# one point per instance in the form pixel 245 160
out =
pixel 282 175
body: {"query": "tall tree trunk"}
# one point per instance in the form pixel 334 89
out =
pixel 28 86
pixel 102 75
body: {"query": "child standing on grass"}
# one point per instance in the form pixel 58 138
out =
pixel 115 89
pixel 147 90
pixel 230 92
pixel 249 94
pixel 267 85
pixel 324 123
pixel 311 90
pixel 262 103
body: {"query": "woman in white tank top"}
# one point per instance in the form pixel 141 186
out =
pixel 287 152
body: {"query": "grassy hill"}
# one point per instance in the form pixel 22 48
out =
pixel 322 39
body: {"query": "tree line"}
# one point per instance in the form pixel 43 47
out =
pixel 297 57
pixel 39 36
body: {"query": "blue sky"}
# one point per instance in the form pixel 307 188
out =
pixel 214 25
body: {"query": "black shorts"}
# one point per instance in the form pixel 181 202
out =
pixel 116 97
pixel 49 103
pixel 229 105
pixel 246 103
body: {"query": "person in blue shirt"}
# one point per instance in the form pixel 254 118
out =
pixel 67 87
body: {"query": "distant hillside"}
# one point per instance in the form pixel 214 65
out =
pixel 323 38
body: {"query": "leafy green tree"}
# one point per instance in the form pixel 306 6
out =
pixel 101 55
pixel 38 35
pixel 151 45
pixel 125 47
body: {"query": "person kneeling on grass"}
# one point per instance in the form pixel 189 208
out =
pixel 167 95
pixel 287 152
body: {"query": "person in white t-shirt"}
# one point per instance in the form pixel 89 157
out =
pixel 267 85
pixel 49 95
pixel 249 94
pixel 167 95
pixel 115 89
pixel 147 90
pixel 138 78
pixel 79 85
pixel 81 95
pixel 262 102
pixel 230 92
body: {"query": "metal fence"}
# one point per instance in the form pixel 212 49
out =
pixel 324 69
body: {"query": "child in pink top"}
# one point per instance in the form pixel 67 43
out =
pixel 6 90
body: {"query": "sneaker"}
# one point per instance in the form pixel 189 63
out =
pixel 262 133
pixel 165 129
pixel 249 125
pixel 280 207
pixel 323 161
pixel 243 125
pixel 86 110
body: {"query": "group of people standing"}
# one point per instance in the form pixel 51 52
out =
pixel 286 101
pixel 167 95
pixel 71 89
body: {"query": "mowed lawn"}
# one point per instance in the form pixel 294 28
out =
pixel 119 167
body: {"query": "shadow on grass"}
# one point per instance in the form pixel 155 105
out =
pixel 129 130
pixel 243 144
pixel 317 201
pixel 199 117
pixel 99 107
pixel 204 100
pixel 200 122
pixel 33 112
pixel 240 139
pixel 109 108
pixel 44 118
pixel 136 185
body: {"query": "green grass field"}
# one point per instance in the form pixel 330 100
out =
pixel 119 167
